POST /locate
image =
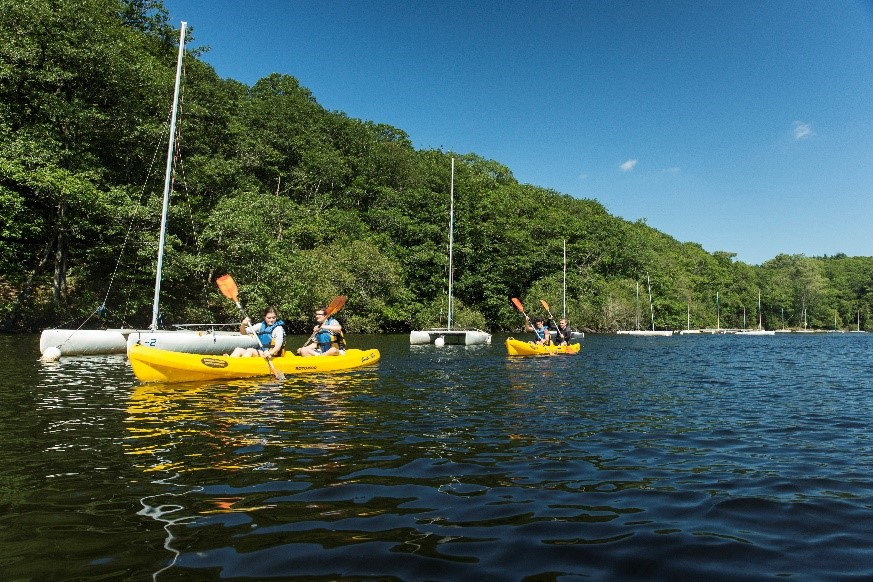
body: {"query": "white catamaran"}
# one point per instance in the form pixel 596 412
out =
pixel 646 332
pixel 760 330
pixel 449 335
pixel 112 341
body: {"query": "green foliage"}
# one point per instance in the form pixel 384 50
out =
pixel 302 204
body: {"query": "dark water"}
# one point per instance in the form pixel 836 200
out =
pixel 685 458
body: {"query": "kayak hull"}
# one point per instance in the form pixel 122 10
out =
pixel 156 365
pixel 516 347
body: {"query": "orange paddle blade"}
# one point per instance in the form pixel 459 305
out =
pixel 227 286
pixel 545 305
pixel 518 305
pixel 335 305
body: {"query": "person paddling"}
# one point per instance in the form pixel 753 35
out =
pixel 563 334
pixel 542 336
pixel 328 334
pixel 270 334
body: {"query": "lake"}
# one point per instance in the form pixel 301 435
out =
pixel 679 458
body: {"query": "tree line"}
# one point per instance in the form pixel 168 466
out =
pixel 302 204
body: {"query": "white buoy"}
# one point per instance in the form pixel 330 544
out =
pixel 51 354
pixel 439 342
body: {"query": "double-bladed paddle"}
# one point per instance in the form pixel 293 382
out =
pixel 228 288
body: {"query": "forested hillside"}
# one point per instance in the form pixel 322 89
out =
pixel 301 204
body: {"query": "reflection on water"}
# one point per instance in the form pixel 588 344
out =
pixel 233 425
pixel 672 458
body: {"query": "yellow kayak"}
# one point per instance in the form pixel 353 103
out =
pixel 154 365
pixel 516 347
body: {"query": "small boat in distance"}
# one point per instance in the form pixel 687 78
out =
pixel 448 335
pixel 516 347
pixel 646 332
pixel 760 330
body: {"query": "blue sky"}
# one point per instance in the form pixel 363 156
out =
pixel 743 126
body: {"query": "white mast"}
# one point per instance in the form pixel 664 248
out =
pixel 167 180
pixel 451 239
pixel 717 314
pixel 651 307
pixel 638 305
pixel 564 310
pixel 760 318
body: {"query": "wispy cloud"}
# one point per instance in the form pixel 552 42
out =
pixel 628 165
pixel 672 171
pixel 802 130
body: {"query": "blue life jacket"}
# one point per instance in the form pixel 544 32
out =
pixel 540 333
pixel 326 338
pixel 265 335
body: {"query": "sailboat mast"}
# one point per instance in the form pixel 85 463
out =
pixel 651 306
pixel 451 241
pixel 168 179
pixel 564 310
pixel 638 305
pixel 760 318
pixel 688 322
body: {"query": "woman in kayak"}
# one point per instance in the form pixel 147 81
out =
pixel 270 334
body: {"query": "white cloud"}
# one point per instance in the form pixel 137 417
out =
pixel 628 165
pixel 802 130
pixel 583 177
pixel 674 171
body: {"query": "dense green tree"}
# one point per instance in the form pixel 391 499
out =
pixel 302 204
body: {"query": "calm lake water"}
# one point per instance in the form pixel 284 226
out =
pixel 684 458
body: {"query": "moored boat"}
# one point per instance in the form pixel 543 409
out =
pixel 191 341
pixel 84 342
pixel 516 347
pixel 462 337
pixel 53 343
pixel 156 365
pixel 449 335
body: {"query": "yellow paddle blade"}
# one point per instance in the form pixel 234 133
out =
pixel 518 304
pixel 545 305
pixel 227 286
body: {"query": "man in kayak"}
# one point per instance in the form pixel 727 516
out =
pixel 328 337
pixel 562 332
pixel 270 334
pixel 542 336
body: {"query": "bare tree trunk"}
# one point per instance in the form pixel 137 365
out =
pixel 59 284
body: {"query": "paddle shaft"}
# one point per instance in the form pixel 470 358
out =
pixel 229 289
pixel 335 305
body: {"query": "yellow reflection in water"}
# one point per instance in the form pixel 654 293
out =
pixel 198 426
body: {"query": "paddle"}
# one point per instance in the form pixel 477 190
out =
pixel 552 318
pixel 518 305
pixel 338 303
pixel 228 288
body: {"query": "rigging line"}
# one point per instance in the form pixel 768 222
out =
pixel 127 235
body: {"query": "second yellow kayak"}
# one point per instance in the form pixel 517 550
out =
pixel 516 347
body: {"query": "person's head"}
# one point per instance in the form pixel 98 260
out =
pixel 562 322
pixel 270 314
pixel 538 321
pixel 319 314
